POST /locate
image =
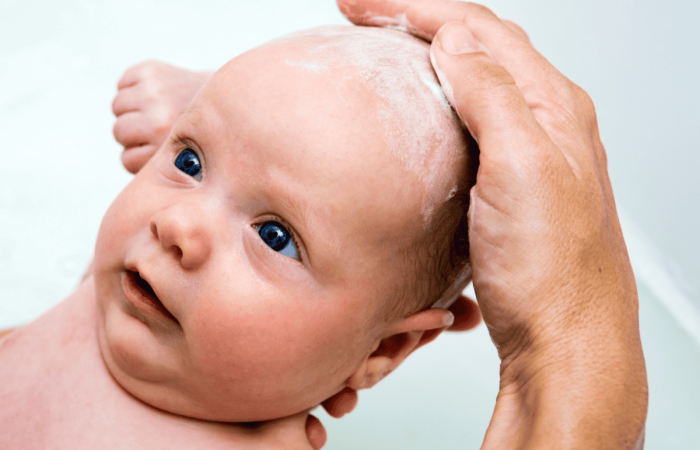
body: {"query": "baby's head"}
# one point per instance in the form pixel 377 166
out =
pixel 290 237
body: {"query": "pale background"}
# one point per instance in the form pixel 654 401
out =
pixel 59 63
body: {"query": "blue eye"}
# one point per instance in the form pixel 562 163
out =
pixel 188 162
pixel 276 236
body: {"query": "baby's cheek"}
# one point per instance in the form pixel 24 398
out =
pixel 131 347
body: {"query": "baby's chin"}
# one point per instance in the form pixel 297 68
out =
pixel 134 371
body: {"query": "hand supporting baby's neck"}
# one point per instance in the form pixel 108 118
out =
pixel 57 392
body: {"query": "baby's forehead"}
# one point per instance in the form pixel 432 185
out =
pixel 373 73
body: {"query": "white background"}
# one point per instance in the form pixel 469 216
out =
pixel 59 63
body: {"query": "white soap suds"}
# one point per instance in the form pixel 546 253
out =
pixel 444 82
pixel 447 87
pixel 421 129
pixel 308 66
pixel 437 91
pixel 398 22
pixel 452 193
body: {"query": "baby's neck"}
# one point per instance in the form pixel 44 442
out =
pixel 57 393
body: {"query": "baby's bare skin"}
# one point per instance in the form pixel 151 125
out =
pixel 231 330
pixel 64 397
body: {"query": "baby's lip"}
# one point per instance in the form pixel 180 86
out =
pixel 141 293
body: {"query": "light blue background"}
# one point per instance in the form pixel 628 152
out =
pixel 59 63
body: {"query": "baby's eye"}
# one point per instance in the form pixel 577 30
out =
pixel 276 236
pixel 188 162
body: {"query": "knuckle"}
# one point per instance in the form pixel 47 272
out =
pixel 115 104
pixel 138 69
pixel 162 119
pixel 520 31
pixel 488 75
pixel 584 102
pixel 564 105
pixel 118 131
pixel 477 10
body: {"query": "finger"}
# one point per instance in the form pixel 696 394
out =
pixel 129 78
pixel 507 42
pixel 557 104
pixel 517 28
pixel 135 73
pixel 135 158
pixel 127 100
pixel 315 432
pixel 341 403
pixel 132 129
pixel 466 313
pixel 422 17
pixel 488 90
pixel 485 96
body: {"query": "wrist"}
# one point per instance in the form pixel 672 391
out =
pixel 573 385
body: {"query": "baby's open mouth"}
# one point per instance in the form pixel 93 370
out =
pixel 145 294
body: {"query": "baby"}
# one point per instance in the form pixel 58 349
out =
pixel 285 243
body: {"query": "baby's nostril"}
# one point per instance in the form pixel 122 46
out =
pixel 154 230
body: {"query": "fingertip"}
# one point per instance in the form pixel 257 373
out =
pixel 315 432
pixel 455 38
pixel 363 12
pixel 467 314
pixel 451 41
pixel 134 158
pixel 341 403
pixel 481 91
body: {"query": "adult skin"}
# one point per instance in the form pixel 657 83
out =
pixel 551 269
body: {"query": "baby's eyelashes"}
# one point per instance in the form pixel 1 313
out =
pixel 188 162
pixel 278 238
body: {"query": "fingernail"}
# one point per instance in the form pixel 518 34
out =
pixel 456 39
pixel 448 319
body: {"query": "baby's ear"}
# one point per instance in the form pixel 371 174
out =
pixel 402 338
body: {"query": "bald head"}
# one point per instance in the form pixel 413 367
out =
pixel 420 128
pixel 377 90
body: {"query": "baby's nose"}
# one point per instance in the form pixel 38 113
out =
pixel 183 231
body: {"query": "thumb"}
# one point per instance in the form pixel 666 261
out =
pixel 482 91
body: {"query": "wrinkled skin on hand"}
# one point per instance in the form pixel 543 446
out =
pixel 551 270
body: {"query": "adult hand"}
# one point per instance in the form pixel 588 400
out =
pixel 551 270
pixel 150 97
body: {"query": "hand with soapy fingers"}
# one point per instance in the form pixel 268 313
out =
pixel 150 97
pixel 551 270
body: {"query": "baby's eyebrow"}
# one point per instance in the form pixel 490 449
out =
pixel 292 207
pixel 177 140
pixel 192 114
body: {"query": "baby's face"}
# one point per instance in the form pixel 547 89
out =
pixel 242 275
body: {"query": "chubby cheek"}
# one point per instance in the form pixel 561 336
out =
pixel 293 351
pixel 125 217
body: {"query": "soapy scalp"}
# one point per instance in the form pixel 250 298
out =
pixel 424 135
pixel 417 119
